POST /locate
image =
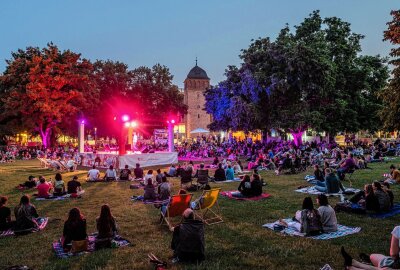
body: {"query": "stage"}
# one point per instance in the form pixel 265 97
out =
pixel 105 159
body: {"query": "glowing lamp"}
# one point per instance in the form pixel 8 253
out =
pixel 127 124
pixel 82 122
pixel 173 121
pixel 115 118
pixel 134 124
pixel 125 118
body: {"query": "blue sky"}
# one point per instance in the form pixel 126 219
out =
pixel 173 33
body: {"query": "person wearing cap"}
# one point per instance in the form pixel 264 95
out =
pixel 188 239
pixel 74 185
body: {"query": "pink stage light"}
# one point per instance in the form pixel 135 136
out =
pixel 125 118
pixel 173 121
pixel 134 124
pixel 82 122
pixel 127 124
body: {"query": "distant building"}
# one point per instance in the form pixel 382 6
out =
pixel 196 83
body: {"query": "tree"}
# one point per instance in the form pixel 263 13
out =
pixel 46 88
pixel 310 78
pixel 390 113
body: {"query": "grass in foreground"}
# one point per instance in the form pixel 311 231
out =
pixel 238 243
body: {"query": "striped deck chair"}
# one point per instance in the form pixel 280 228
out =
pixel 44 163
pixel 177 205
pixel 208 204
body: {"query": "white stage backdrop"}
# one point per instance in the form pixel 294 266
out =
pixel 145 160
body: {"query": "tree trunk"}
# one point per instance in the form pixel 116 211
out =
pixel 45 136
pixel 297 137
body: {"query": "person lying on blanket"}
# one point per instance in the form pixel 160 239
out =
pixel 74 186
pixel 366 202
pixel 307 220
pixel 44 188
pixel 59 186
pixel 93 174
pixel 378 261
pixel 31 183
pixel 25 215
pixel 74 229
pixel 106 228
pixel 188 239
pixel 249 187
pixel 327 213
pixel 5 215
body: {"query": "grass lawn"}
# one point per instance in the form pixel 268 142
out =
pixel 238 243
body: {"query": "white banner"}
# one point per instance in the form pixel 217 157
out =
pixel 147 160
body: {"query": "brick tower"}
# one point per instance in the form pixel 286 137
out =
pixel 196 84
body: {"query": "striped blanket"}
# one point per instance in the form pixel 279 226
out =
pixel 140 199
pixel 313 191
pixel 42 222
pixel 117 242
pixel 342 231
pixel 60 198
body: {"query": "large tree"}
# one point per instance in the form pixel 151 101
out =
pixel 313 77
pixel 390 113
pixel 45 89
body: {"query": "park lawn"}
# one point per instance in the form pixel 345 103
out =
pixel 238 243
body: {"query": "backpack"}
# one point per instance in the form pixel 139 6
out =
pixel 311 222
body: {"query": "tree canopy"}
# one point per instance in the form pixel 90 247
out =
pixel 312 77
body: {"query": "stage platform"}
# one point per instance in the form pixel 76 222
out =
pixel 105 159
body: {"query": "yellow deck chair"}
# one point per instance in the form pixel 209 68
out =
pixel 208 204
pixel 177 205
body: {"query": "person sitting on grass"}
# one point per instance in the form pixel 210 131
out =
pixel 138 172
pixel 394 175
pixel 31 183
pixel 386 188
pixel 171 172
pixel 106 228
pixel 164 190
pixel 159 176
pixel 93 174
pixel 378 261
pixel 125 174
pixel 237 169
pixel 327 213
pixel 188 239
pixel 219 174
pixel 382 196
pixel 331 184
pixel 43 188
pixel 74 186
pixel 149 191
pixel 111 174
pixel 74 228
pixel 25 215
pixel 365 200
pixel 5 215
pixel 318 174
pixel 59 185
pixel 307 220
pixel 230 173
pixel 249 187
pixel 148 176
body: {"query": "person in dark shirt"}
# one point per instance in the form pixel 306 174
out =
pixel 255 186
pixel 125 173
pixel 5 215
pixel 74 228
pixel 386 188
pixel 219 174
pixel 74 185
pixel 31 183
pixel 318 173
pixel 138 172
pixel 106 227
pixel 25 215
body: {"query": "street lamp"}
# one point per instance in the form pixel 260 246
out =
pixel 171 122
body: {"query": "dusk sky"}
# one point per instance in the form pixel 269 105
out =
pixel 174 33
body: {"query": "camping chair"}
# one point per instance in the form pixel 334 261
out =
pixel 207 201
pixel 186 178
pixel 177 205
pixel 202 179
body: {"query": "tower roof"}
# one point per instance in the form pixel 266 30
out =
pixel 197 73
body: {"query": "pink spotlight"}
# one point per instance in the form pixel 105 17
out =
pixel 134 124
pixel 82 122
pixel 125 118
pixel 173 121
pixel 127 124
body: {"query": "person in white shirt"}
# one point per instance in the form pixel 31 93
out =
pixel 148 176
pixel 111 174
pixel 71 165
pixel 93 174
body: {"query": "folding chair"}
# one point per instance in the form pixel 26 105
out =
pixel 202 179
pixel 186 178
pixel 177 205
pixel 208 201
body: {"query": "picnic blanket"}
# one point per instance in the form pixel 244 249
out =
pixel 342 231
pixel 393 212
pixel 313 191
pixel 117 242
pixel 237 179
pixel 140 199
pixel 60 198
pixel 309 178
pixel 228 194
pixel 42 222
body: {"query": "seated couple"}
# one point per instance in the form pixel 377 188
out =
pixel 74 237
pixel 374 198
pixel 44 188
pixel 378 261
pixel 331 184
pixel 25 215
pixel 163 190
pixel 311 221
pixel 249 187
pixel 222 175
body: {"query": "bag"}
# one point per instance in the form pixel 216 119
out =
pixel 279 227
pixel 79 246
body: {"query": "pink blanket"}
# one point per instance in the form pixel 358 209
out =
pixel 229 195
